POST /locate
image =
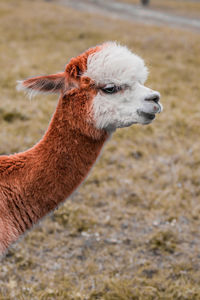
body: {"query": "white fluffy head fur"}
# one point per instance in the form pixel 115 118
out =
pixel 122 99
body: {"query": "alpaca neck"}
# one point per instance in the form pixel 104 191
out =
pixel 62 159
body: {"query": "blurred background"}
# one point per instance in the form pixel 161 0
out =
pixel 132 230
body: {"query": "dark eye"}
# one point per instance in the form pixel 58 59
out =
pixel 112 89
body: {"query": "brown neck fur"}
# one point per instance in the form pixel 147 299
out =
pixel 34 182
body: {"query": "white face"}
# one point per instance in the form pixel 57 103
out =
pixel 122 98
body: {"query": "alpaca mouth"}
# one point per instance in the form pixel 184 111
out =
pixel 146 115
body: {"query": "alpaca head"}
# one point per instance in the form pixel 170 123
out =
pixel 115 78
pixel 122 98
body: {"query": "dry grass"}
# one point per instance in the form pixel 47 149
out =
pixel 132 230
pixel 190 8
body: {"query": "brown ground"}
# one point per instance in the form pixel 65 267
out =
pixel 132 230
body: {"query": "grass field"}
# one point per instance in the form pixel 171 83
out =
pixel 131 232
pixel 189 8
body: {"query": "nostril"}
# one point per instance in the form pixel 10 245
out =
pixel 154 97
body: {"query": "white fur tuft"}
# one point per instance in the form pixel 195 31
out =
pixel 28 91
pixel 20 86
pixel 117 64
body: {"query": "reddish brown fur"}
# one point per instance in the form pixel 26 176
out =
pixel 34 182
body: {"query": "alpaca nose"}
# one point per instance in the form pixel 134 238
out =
pixel 155 97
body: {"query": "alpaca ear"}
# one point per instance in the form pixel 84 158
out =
pixel 75 69
pixel 75 72
pixel 43 84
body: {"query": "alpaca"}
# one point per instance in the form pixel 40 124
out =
pixel 100 90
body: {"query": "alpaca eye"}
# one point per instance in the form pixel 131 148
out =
pixel 112 89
